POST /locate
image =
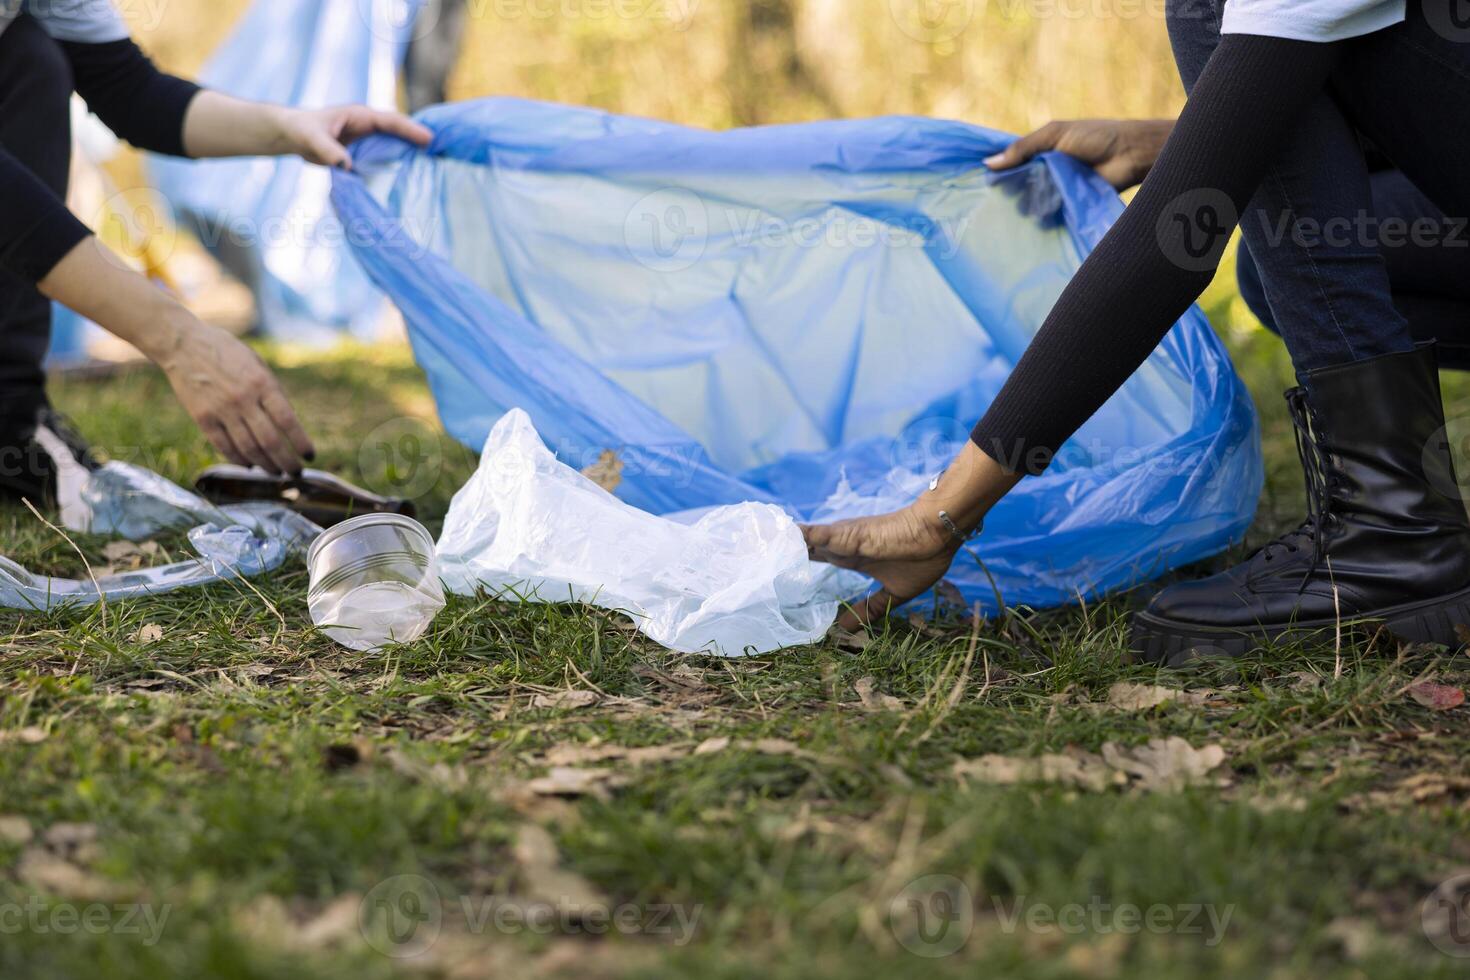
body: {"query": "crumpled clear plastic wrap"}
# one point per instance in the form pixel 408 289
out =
pixel 729 580
pixel 129 501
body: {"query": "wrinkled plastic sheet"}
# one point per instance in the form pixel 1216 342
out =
pixel 729 580
pixel 809 316
pixel 128 501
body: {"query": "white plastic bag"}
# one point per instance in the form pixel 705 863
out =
pixel 732 581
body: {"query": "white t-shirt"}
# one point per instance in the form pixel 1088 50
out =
pixel 90 21
pixel 1310 20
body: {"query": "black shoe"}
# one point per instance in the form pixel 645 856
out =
pixel 33 454
pixel 1386 542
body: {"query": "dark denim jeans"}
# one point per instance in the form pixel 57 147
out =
pixel 1428 269
pixel 1344 263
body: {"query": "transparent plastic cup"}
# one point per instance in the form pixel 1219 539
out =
pixel 374 580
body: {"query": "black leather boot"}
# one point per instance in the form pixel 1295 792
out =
pixel 1386 541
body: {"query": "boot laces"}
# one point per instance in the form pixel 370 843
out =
pixel 1319 486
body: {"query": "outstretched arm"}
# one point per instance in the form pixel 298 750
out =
pixel 159 112
pixel 1154 262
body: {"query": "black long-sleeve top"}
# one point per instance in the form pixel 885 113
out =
pixel 127 92
pixel 1162 252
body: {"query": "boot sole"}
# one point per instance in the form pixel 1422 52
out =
pixel 1172 643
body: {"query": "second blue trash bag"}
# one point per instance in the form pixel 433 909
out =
pixel 267 219
pixel 811 315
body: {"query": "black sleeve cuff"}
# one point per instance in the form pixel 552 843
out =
pixel 127 92
pixel 37 230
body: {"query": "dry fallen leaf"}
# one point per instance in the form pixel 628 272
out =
pixel 440 774
pixel 545 880
pixel 129 553
pixel 565 699
pixel 607 472
pixel 69 836
pixel 773 746
pixel 872 700
pixel 570 781
pixel 333 924
pixel 1083 770
pixel 15 830
pixel 1279 803
pixel 1437 697
pixel 268 920
pixel 1165 763
pixel 765 746
pixel 29 735
pixel 712 745
pixel 1420 788
pixel 1141 697
pixel 1302 680
pixel 41 869
pixel 1355 936
pixel 575 754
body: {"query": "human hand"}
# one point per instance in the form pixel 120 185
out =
pixel 906 551
pixel 322 135
pixel 233 397
pixel 1122 151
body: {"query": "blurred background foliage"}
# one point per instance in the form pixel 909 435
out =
pixel 1010 64
pixel 1007 64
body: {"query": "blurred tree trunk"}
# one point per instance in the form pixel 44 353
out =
pixel 767 76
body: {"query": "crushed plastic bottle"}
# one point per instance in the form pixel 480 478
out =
pixel 131 502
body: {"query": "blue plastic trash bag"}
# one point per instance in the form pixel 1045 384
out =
pixel 267 219
pixel 809 315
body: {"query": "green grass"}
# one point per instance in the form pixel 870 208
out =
pixel 255 781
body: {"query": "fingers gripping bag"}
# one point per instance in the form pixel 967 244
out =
pixel 809 316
